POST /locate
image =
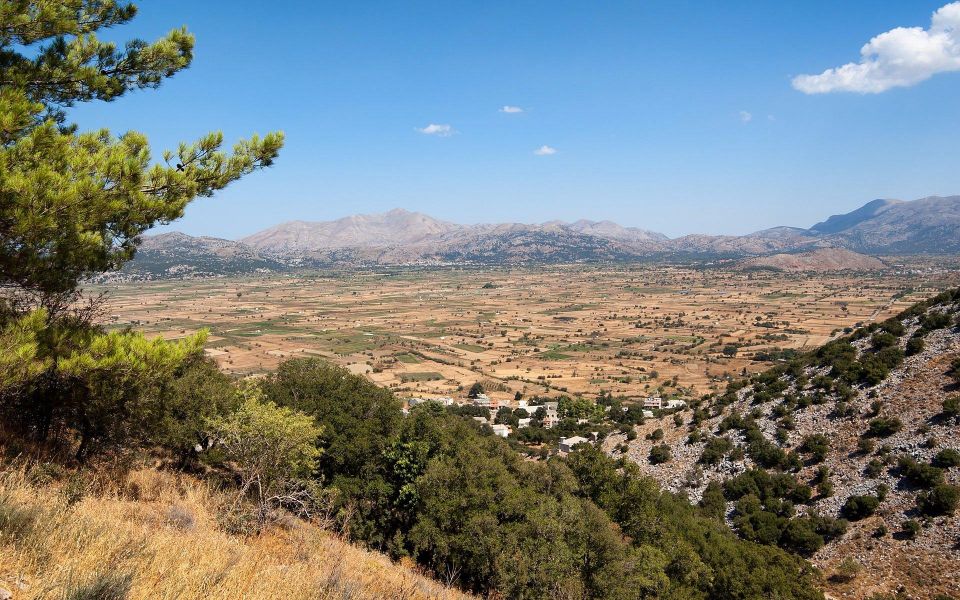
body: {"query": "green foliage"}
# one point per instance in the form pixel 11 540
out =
pixel 884 427
pixel 911 528
pixel 705 559
pixel 359 419
pixel 270 446
pixel 941 500
pixel 715 450
pixel 51 60
pixel 951 407
pixel 200 391
pixel 860 507
pixel 947 458
pixel 817 445
pixel 660 454
pixel 919 474
pixel 21 358
pixel 578 408
pixel 914 346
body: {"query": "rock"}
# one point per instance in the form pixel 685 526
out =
pixel 5 594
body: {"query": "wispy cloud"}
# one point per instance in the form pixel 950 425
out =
pixel 901 57
pixel 545 150
pixel 512 110
pixel 745 117
pixel 437 130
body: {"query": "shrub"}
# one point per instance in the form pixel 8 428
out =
pixel 941 500
pixel 817 445
pixel 884 426
pixel 910 528
pixel 860 507
pixel 271 447
pixel 874 467
pixel 914 346
pixel 919 474
pixel 104 586
pixel 951 407
pixel 847 570
pixel 660 454
pixel 947 458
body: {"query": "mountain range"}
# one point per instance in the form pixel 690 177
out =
pixel 399 237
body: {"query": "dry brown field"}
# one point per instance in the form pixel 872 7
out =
pixel 630 330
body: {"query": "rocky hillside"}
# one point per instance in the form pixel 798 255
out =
pixel 823 259
pixel 849 455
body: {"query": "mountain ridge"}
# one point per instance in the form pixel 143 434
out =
pixel 399 237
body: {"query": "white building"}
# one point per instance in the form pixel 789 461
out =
pixel 550 417
pixel 653 402
pixel 482 400
pixel 499 429
pixel 568 444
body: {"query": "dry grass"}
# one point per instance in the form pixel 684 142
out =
pixel 156 536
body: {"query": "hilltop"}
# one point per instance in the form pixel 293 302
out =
pixel 823 259
pixel 846 454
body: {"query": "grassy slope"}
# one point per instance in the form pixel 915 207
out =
pixel 156 536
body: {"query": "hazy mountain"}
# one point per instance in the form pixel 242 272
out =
pixel 394 228
pixel 838 223
pixel 930 225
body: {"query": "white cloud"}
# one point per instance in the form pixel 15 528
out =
pixel 438 130
pixel 511 109
pixel 900 57
pixel 745 117
pixel 545 150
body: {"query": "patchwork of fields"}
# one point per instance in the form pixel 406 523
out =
pixel 630 330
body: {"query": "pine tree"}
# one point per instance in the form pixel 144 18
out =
pixel 74 204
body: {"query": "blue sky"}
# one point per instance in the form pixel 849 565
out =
pixel 645 103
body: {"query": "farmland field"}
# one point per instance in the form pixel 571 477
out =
pixel 629 330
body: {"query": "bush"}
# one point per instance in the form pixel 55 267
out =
pixel 951 407
pixel 847 570
pixel 860 507
pixel 941 500
pixel 817 445
pixel 715 449
pixel 919 474
pixel 271 447
pixel 914 346
pixel 884 426
pixel 660 454
pixel 947 458
pixel 911 528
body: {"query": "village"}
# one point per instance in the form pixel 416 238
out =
pixel 523 413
